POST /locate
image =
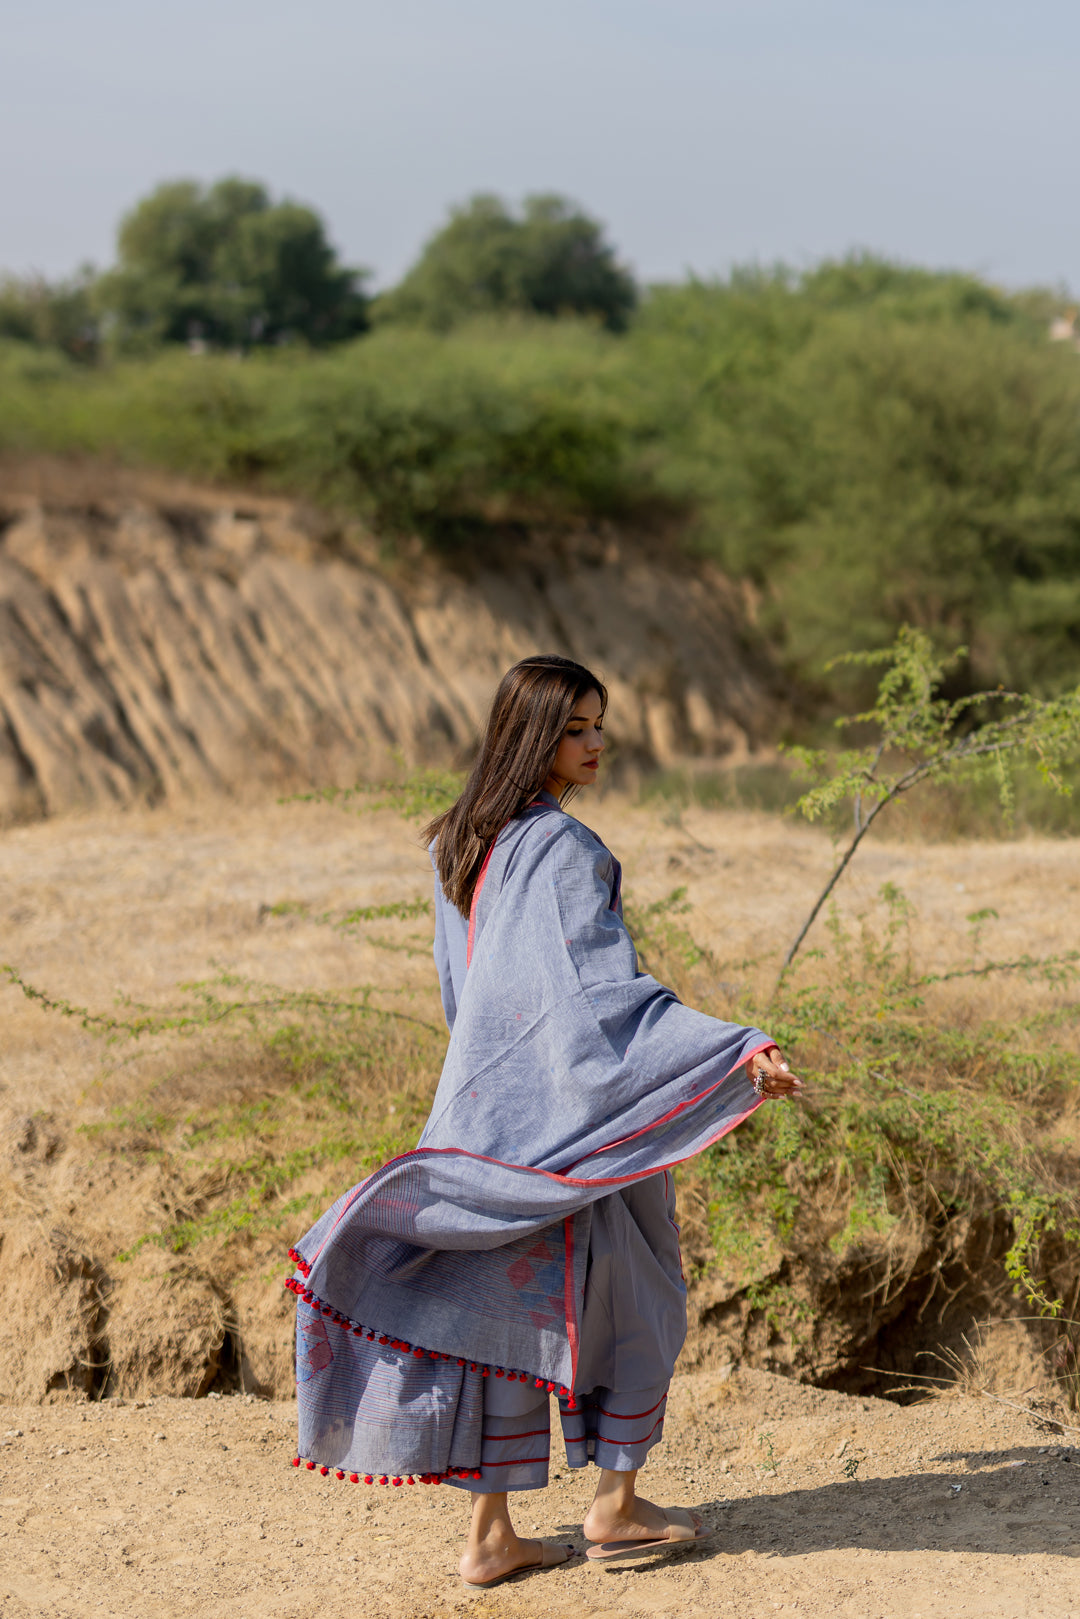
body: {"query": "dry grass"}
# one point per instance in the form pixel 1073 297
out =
pixel 181 1165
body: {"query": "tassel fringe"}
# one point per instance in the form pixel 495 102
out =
pixel 373 1335
pixel 385 1478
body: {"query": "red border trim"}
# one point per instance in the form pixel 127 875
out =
pixel 569 1180
pixel 518 1461
pixel 385 1340
pixel 569 1300
pixel 482 877
pixel 480 881
pixel 691 1101
pixel 624 1443
pixel 633 1416
pixel 502 1438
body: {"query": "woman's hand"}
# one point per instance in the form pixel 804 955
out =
pixel 771 1075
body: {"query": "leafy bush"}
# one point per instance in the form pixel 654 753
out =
pixel 866 445
pixel 51 314
pixel 440 437
pixel 933 1160
pixel 870 447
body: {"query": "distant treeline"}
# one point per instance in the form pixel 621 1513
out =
pixel 226 267
pixel 864 444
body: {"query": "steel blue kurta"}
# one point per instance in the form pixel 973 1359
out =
pixel 633 1319
pixel 530 1236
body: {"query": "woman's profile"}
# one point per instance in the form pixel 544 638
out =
pixel 527 1246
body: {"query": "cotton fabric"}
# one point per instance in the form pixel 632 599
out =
pixel 531 1232
pixel 614 1429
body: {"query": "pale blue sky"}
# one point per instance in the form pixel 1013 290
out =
pixel 940 131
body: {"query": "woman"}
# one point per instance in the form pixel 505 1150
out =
pixel 527 1246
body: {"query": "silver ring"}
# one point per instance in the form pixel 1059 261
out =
pixel 759 1082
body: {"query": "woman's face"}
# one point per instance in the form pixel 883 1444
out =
pixel 577 762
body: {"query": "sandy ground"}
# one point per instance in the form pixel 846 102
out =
pixel 177 1508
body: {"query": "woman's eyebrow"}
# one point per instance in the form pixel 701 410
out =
pixel 580 719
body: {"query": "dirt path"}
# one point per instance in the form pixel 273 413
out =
pixel 178 1508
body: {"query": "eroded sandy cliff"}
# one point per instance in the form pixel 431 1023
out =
pixel 159 641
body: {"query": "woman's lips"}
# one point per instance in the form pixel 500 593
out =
pixel 592 764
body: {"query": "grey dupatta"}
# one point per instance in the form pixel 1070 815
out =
pixel 569 1075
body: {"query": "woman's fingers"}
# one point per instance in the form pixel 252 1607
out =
pixel 772 1074
pixel 780 1085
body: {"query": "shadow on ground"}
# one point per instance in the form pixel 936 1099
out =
pixel 1024 1502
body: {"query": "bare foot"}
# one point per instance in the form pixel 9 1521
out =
pixel 496 1557
pixel 640 1521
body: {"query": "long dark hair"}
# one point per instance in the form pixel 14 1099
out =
pixel 530 711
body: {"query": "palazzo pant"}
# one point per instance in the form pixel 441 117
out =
pixel 633 1323
pixel 614 1430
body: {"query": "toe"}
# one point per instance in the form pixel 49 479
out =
pixel 683 1518
pixel 552 1554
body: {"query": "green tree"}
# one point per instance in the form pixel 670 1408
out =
pixel 873 445
pixel 904 291
pixel 552 259
pixel 226 265
pixel 923 474
pixel 54 314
